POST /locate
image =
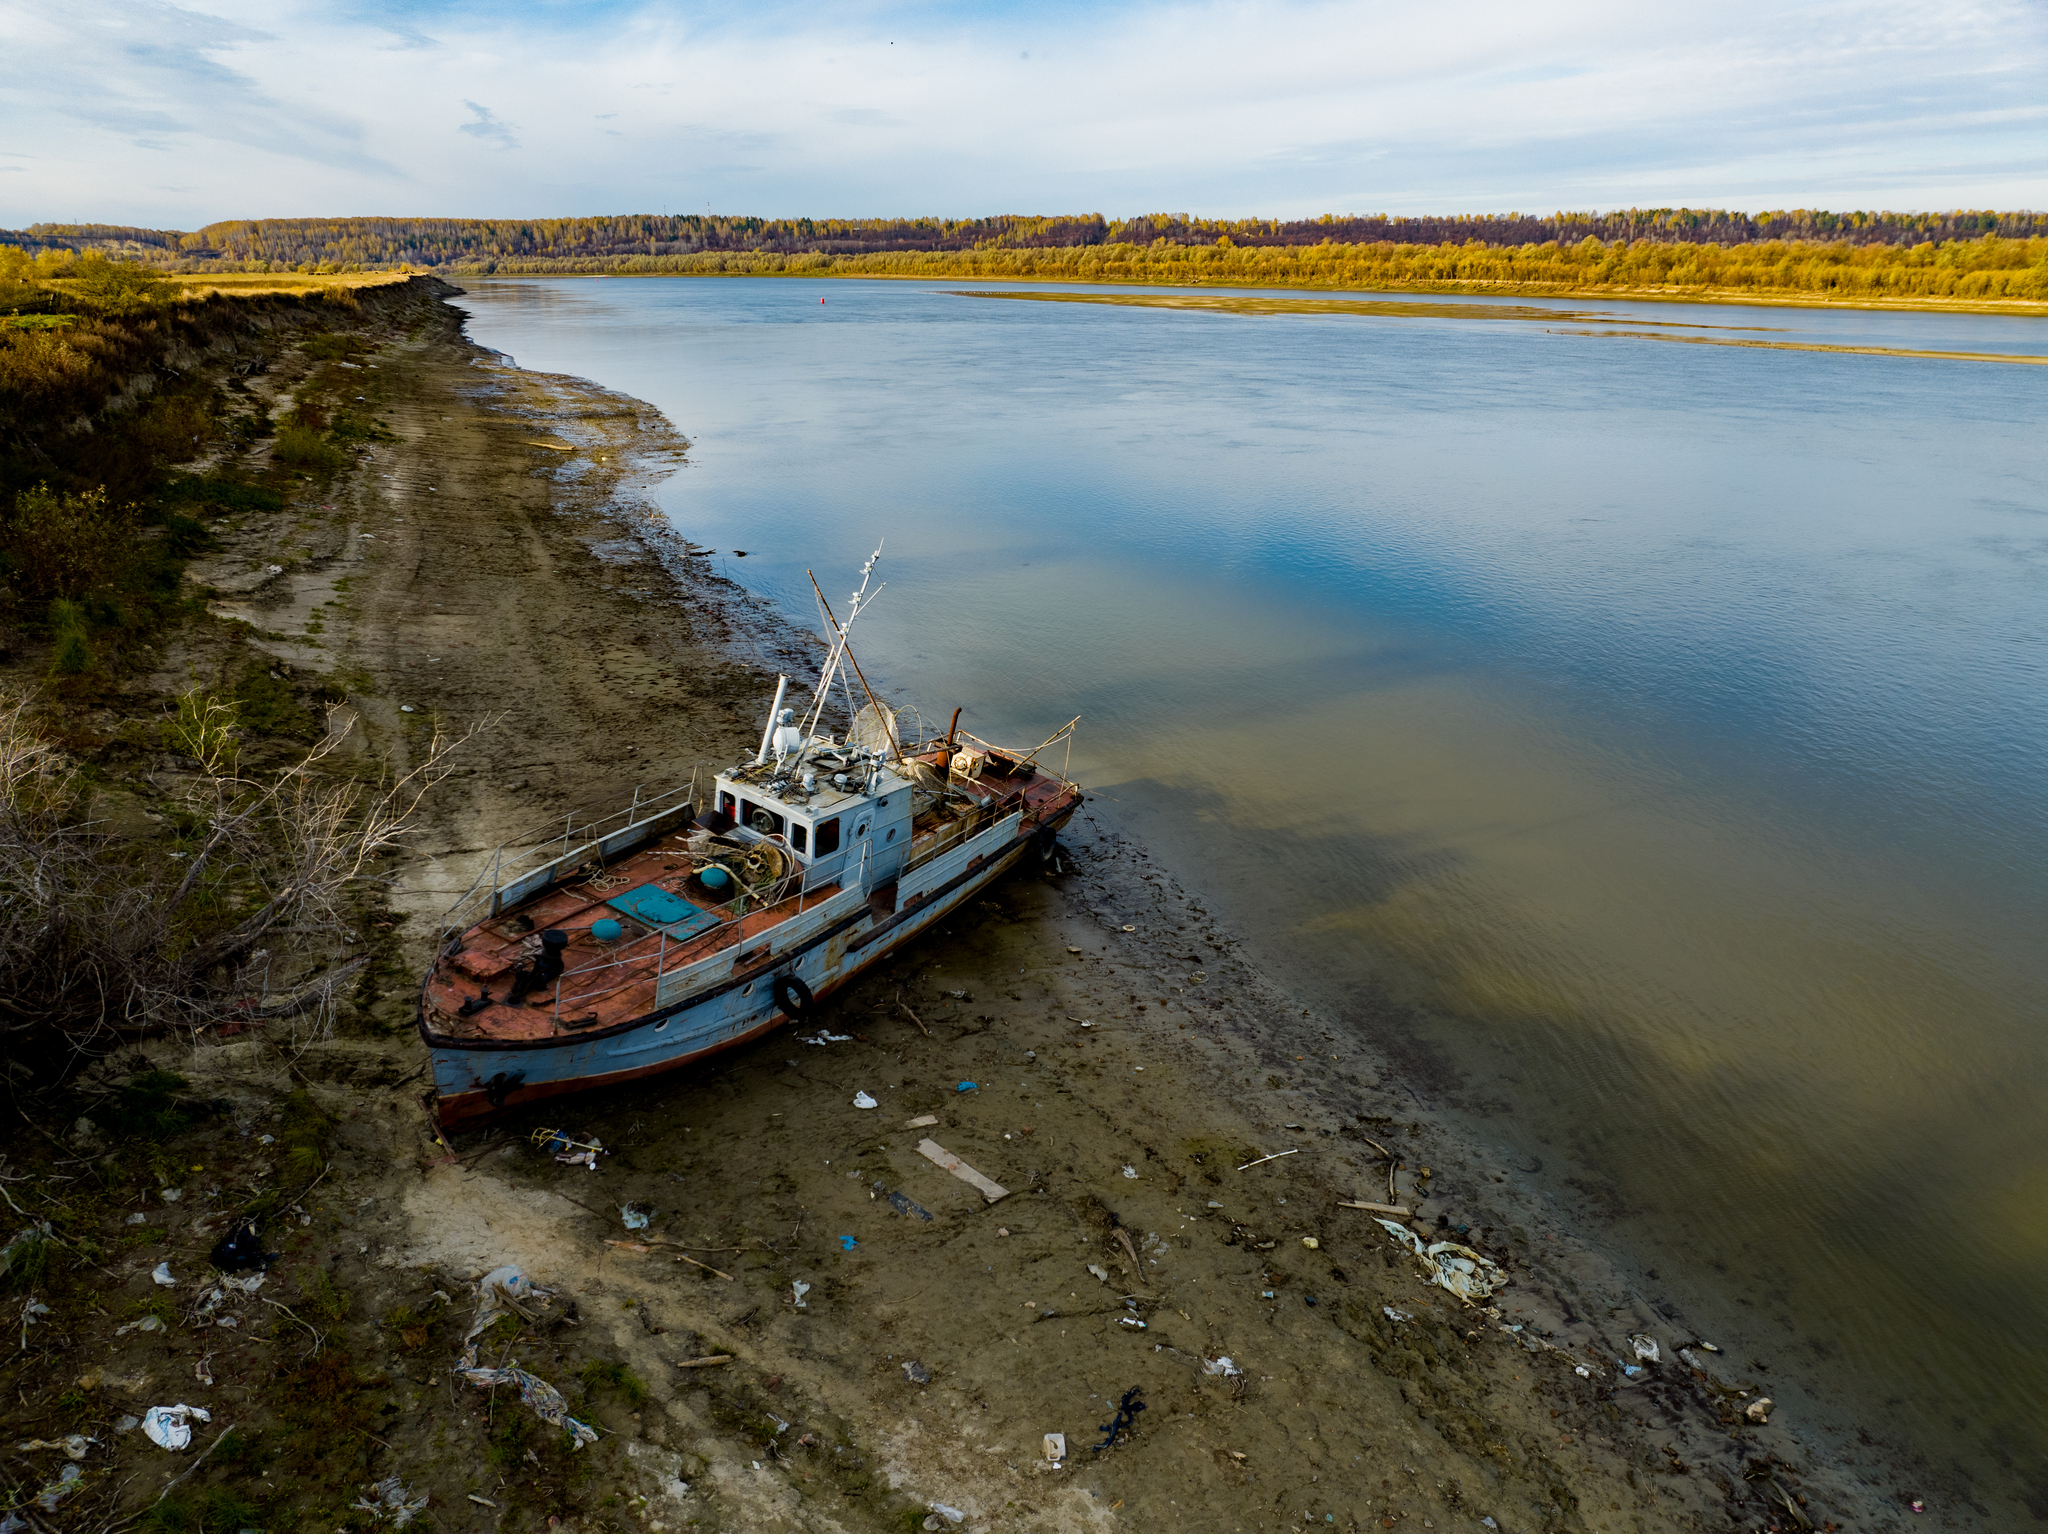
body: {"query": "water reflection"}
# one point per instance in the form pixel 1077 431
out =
pixel 1658 733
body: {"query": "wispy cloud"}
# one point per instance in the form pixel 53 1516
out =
pixel 486 125
pixel 1215 106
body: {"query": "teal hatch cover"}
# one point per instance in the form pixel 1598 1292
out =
pixel 655 906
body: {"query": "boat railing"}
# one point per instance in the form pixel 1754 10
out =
pixel 512 875
pixel 672 984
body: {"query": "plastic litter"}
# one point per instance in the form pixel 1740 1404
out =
pixel 801 1289
pixel 169 1427
pixel 1126 1414
pixel 1131 1172
pixel 1054 1447
pixel 822 1037
pixel 950 1514
pixel 146 1324
pixel 74 1445
pixel 847 1243
pixel 1225 1365
pixel 967 1086
pixel 862 1100
pixel 1759 1410
pixel 572 1152
pixel 391 1500
pixel 127 1424
pixel 1469 1275
pixel 636 1216
pixel 1396 1315
pixel 56 1491
pixel 1582 1371
pixel 1311 1243
pixel 1132 1321
pixel 901 1203
pixel 162 1274
pixel 1099 1271
pixel 1644 1347
pixel 240 1250
pixel 917 1373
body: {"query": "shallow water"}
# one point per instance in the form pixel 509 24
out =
pixel 1656 734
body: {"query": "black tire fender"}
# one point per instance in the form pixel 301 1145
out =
pixel 1047 842
pixel 793 997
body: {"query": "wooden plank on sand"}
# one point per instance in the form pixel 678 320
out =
pixel 938 1155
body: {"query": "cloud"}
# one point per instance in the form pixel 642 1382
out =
pixel 1283 107
pixel 485 125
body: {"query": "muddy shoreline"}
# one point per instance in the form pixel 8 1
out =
pixel 1090 1038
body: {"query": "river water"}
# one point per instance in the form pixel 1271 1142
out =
pixel 1656 734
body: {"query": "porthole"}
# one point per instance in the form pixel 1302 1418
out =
pixel 747 989
pixel 658 1027
pixel 891 836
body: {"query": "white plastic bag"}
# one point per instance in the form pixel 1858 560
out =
pixel 169 1427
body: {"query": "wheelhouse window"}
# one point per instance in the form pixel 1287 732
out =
pixel 799 836
pixel 828 837
pixel 754 818
pixel 728 807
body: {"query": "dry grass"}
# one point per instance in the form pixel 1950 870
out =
pixel 256 284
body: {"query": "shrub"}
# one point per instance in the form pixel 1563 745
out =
pixel 72 653
pixel 301 447
pixel 63 545
pixel 608 1374
pixel 118 288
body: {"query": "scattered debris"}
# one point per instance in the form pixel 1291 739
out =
pixel 1274 1157
pixel 922 1121
pixel 1759 1410
pixel 1054 1447
pixel 917 1373
pixel 1645 1348
pixel 1398 1211
pixel 162 1274
pixel 390 1499
pixel 1126 1414
pixel 937 1154
pixel 74 1445
pixel 636 1216
pixel 1132 1321
pixel 898 1201
pixel 862 1100
pixel 54 1492
pixel 1311 1243
pixel 1099 1271
pixel 950 1514
pixel 240 1249
pixel 500 1290
pixel 847 1243
pixel 967 1086
pixel 1225 1365
pixel 1131 1172
pixel 557 1143
pixel 481 1501
pixel 801 1289
pixel 822 1037
pixel 708 1361
pixel 1469 1275
pixel 146 1324
pixel 169 1427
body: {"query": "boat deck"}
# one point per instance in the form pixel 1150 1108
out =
pixel 607 983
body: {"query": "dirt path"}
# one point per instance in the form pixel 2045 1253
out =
pixel 1085 1037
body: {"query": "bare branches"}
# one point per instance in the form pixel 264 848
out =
pixel 104 939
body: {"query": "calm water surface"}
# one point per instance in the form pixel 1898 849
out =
pixel 1666 725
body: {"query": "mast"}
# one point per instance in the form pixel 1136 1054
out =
pixel 842 648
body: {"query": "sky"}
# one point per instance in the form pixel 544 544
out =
pixel 172 116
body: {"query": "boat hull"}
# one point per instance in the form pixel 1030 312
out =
pixel 477 1080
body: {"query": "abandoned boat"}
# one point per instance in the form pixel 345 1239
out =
pixel 667 930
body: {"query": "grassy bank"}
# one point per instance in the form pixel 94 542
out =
pixel 1991 275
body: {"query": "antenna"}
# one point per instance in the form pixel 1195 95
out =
pixel 861 601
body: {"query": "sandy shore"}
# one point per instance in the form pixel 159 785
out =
pixel 1088 1038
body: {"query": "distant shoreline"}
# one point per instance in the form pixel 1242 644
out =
pixel 1931 304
